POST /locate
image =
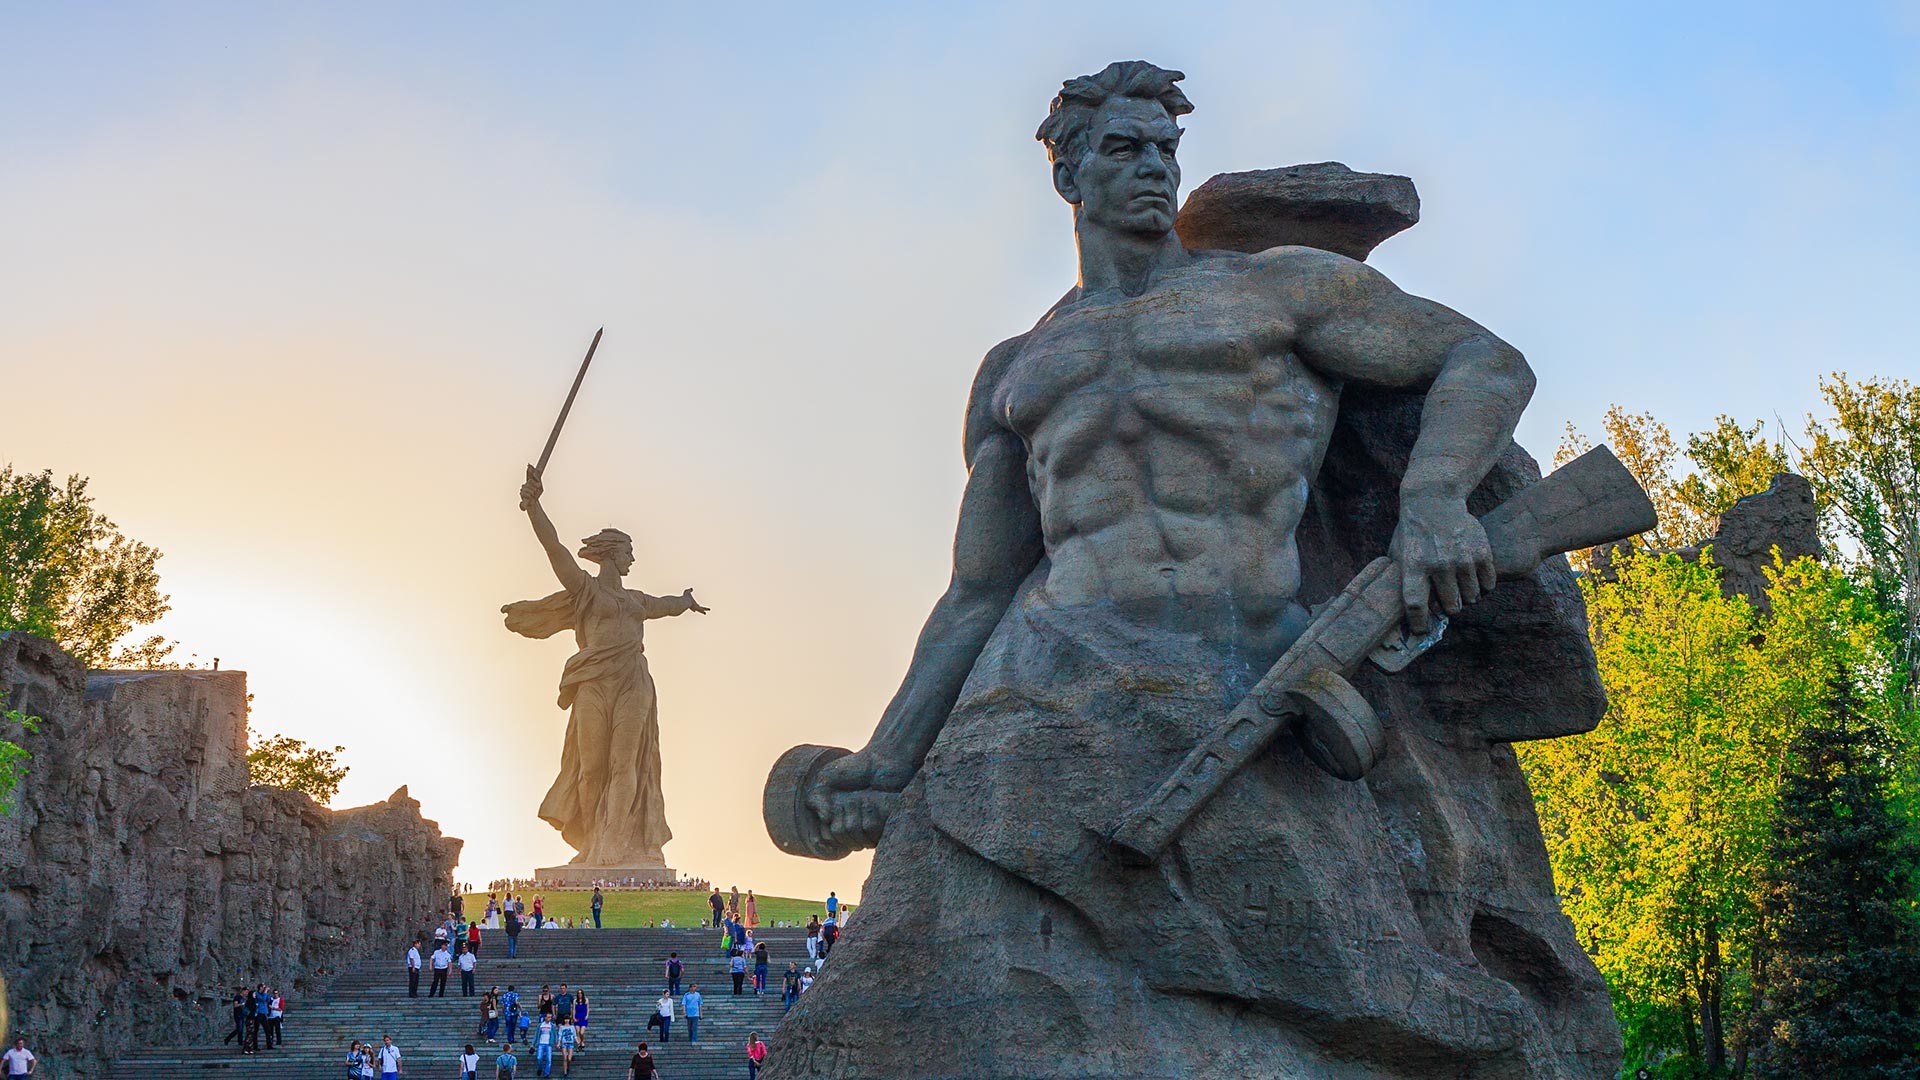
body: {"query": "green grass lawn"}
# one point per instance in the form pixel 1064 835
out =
pixel 627 908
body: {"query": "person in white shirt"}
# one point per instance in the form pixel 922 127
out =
pixel 19 1059
pixel 469 1064
pixel 466 973
pixel 665 1011
pixel 413 969
pixel 543 1047
pixel 389 1058
pixel 442 959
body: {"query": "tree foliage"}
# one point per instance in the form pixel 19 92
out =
pixel 1646 447
pixel 13 756
pixel 1838 985
pixel 1658 822
pixel 1866 465
pixel 1863 462
pixel 67 573
pixel 1731 462
pixel 286 762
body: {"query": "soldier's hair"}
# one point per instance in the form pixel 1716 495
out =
pixel 1064 131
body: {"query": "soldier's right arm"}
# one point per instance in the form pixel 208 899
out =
pixel 996 545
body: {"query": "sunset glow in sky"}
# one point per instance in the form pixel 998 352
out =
pixel 301 287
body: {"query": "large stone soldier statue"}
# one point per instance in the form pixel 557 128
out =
pixel 1164 475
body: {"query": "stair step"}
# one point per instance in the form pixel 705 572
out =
pixel 622 970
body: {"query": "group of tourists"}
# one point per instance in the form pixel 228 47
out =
pixel 452 951
pixel 257 1014
pixel 369 1059
pixel 691 1003
pixel 644 1066
pixel 366 1060
pixel 549 1029
pixel 685 884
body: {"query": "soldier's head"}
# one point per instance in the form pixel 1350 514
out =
pixel 1112 140
pixel 609 547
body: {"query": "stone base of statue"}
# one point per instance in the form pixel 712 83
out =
pixel 585 876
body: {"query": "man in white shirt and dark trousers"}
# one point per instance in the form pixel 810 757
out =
pixel 441 961
pixel 413 969
pixel 19 1059
pixel 466 973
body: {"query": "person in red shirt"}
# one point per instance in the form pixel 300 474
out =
pixel 756 1055
pixel 473 938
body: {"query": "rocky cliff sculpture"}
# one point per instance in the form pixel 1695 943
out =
pixel 1215 454
pixel 607 801
pixel 141 876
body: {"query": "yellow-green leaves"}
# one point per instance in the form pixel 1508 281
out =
pixel 1657 822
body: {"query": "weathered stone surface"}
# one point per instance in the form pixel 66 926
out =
pixel 1782 517
pixel 144 878
pixel 1324 205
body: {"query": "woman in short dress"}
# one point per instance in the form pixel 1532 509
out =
pixel 580 1016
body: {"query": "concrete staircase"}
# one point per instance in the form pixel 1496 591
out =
pixel 622 971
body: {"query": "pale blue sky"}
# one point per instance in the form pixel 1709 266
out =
pixel 300 288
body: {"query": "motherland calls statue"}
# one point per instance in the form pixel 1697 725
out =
pixel 606 802
pixel 1132 818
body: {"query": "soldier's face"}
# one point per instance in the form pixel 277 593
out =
pixel 1128 179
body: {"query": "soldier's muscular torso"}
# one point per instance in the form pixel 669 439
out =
pixel 1171 438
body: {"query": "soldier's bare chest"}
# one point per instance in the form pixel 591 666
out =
pixel 1202 335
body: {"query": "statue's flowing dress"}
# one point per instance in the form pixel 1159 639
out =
pixel 606 801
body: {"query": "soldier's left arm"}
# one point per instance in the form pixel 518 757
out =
pixel 1355 325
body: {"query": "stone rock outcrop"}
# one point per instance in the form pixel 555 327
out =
pixel 143 879
pixel 1324 205
pixel 1783 517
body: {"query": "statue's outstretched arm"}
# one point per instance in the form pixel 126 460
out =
pixel 564 567
pixel 666 607
pixel 1355 324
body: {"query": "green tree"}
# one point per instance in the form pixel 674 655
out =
pixel 1657 823
pixel 1866 467
pixel 67 573
pixel 1732 461
pixel 1840 983
pixel 286 762
pixel 1646 447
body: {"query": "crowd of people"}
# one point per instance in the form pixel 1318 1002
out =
pixel 550 1028
pixel 257 1014
pixel 685 884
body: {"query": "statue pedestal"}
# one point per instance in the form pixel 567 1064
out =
pixel 575 874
